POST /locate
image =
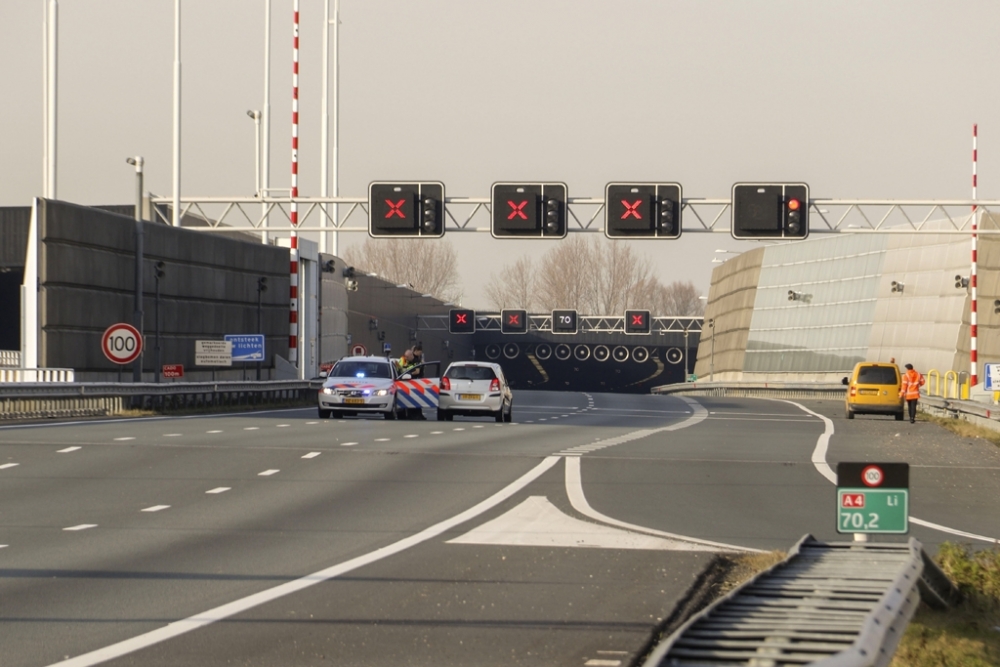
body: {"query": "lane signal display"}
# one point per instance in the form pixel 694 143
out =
pixel 529 210
pixel 564 322
pixel 514 321
pixel 406 210
pixel 643 210
pixel 637 322
pixel 461 321
pixel 770 210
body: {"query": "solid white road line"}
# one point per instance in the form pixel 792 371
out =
pixel 251 428
pixel 124 439
pixel 9 465
pixel 267 473
pixel 156 508
pixel 311 455
pixel 600 662
pixel 219 489
pixel 68 450
pixel 216 431
pixel 819 462
pixel 348 444
pixel 82 526
pixel 178 628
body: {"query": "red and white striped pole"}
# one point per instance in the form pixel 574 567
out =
pixel 973 324
pixel 293 314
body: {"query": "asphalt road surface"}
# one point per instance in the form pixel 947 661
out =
pixel 560 539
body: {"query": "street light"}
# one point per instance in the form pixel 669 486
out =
pixel 158 274
pixel 711 363
pixel 137 162
pixel 256 115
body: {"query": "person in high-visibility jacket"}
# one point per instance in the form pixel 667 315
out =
pixel 910 390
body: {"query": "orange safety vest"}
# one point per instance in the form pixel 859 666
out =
pixel 912 382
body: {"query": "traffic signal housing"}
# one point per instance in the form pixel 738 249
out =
pixel 643 210
pixel 564 322
pixel 638 322
pixel 461 321
pixel 529 210
pixel 406 210
pixel 514 321
pixel 770 210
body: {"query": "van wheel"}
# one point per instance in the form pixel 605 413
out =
pixel 849 414
pixel 899 416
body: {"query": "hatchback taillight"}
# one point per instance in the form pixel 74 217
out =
pixel 445 383
pixel 495 385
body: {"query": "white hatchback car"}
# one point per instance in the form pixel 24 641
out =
pixel 358 385
pixel 474 388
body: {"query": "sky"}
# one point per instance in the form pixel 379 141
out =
pixel 858 99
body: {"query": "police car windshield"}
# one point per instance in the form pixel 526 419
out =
pixel 361 369
pixel 470 373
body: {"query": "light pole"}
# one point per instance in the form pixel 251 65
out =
pixel 256 115
pixel 175 214
pixel 261 288
pixel 711 362
pixel 137 310
pixel 159 273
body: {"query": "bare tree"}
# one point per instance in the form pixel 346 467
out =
pixel 682 299
pixel 621 276
pixel 428 266
pixel 566 277
pixel 514 287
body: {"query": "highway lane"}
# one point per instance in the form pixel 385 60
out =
pixel 488 590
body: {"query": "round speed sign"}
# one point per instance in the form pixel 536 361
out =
pixel 121 343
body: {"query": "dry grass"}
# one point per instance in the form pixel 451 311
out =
pixel 963 429
pixel 746 565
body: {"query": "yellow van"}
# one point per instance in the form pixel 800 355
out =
pixel 873 388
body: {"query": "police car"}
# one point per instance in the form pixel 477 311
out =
pixel 359 385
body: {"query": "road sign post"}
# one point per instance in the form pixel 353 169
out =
pixel 873 498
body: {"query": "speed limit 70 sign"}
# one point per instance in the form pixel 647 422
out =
pixel 121 343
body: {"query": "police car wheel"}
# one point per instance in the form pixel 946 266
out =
pixel 391 414
pixel 325 414
pixel 442 415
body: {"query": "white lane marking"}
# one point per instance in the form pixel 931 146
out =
pixel 348 444
pixel 436 432
pixel 216 431
pixel 411 435
pixel 219 489
pixel 478 426
pixel 283 425
pixel 574 489
pixel 4 546
pixel 312 455
pixel 132 420
pixel 171 435
pixel 458 429
pixel 197 621
pixel 536 522
pixel 82 526
pixel 251 428
pixel 382 439
pixel 600 662
pixel 311 423
pixel 124 439
pixel 541 419
pixel 9 465
pixel 819 462
pixel 68 450
pixel 267 473
pixel 156 508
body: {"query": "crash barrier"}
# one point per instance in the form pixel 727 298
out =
pixel 10 358
pixel 422 393
pixel 980 414
pixel 36 375
pixel 755 389
pixel 40 401
pixel 954 384
pixel 832 604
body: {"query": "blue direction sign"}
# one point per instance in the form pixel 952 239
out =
pixel 247 347
pixel 992 377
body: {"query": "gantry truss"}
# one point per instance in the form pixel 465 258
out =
pixel 585 323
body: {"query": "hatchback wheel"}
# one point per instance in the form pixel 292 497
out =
pixel 509 417
pixel 442 415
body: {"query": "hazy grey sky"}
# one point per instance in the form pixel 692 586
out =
pixel 857 98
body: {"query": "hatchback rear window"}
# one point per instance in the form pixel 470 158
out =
pixel 877 375
pixel 470 373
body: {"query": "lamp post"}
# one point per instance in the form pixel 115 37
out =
pixel 261 288
pixel 159 273
pixel 256 115
pixel 137 310
pixel 711 362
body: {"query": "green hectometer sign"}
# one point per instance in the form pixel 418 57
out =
pixel 872 510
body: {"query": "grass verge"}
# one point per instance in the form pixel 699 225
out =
pixel 968 635
pixel 962 428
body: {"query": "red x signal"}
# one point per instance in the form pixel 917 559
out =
pixel 513 318
pixel 395 209
pixel 517 210
pixel 632 209
pixel 638 320
pixel 461 318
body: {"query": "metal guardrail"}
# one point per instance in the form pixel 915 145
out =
pixel 755 389
pixel 38 400
pixel 827 604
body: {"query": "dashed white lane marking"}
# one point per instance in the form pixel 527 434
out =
pixel 8 465
pixel 479 426
pixel 82 526
pixel 311 423
pixel 267 473
pixel 128 437
pixel 312 455
pixel 601 662
pixel 542 419
pixel 382 439
pixel 222 612
pixel 411 435
pixel 220 489
pixel 823 468
pixel 215 431
pixel 68 450
pixel 251 428
pixel 156 508
pixel 436 432
pixel 3 546
pixel 283 425
pixel 171 435
pixel 348 444
pixel 458 429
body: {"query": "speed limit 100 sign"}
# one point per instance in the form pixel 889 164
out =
pixel 121 343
